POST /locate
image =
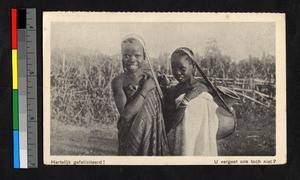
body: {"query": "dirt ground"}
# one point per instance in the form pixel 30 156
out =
pixel 102 140
pixel 74 140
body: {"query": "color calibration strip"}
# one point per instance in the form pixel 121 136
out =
pixel 24 87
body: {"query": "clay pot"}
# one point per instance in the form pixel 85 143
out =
pixel 227 122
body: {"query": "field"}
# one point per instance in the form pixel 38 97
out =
pixel 76 140
pixel 84 116
pixel 255 139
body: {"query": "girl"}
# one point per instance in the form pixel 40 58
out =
pixel 141 125
pixel 193 123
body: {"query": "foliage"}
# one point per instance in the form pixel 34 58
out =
pixel 80 88
pixel 215 64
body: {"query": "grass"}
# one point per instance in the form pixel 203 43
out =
pixel 83 141
pixel 247 143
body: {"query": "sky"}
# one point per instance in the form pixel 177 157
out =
pixel 236 39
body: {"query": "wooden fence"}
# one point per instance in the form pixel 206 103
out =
pixel 257 90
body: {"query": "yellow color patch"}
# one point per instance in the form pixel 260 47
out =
pixel 14 69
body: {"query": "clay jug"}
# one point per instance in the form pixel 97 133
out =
pixel 227 121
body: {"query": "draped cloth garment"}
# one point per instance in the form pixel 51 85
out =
pixel 145 133
pixel 196 133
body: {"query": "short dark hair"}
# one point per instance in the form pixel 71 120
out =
pixel 181 53
pixel 130 40
pixel 134 40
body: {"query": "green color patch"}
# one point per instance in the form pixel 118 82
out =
pixel 15 110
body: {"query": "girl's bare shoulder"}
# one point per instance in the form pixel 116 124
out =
pixel 118 81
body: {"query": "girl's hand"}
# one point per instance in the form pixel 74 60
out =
pixel 163 80
pixel 196 84
pixel 193 93
pixel 148 83
pixel 181 88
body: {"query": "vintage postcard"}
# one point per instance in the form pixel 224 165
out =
pixel 164 88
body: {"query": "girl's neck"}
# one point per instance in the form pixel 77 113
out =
pixel 137 73
pixel 191 81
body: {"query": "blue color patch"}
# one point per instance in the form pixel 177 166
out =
pixel 16 149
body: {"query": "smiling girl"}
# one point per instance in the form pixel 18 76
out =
pixel 141 129
pixel 193 122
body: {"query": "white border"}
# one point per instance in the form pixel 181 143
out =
pixel 278 19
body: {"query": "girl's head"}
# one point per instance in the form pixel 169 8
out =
pixel 183 67
pixel 133 54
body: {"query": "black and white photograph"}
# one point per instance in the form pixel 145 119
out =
pixel 164 88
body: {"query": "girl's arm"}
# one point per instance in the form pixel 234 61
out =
pixel 128 109
pixel 179 111
pixel 172 114
pixel 177 116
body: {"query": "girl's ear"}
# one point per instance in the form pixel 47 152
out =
pixel 194 70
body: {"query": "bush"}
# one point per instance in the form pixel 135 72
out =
pixel 80 88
